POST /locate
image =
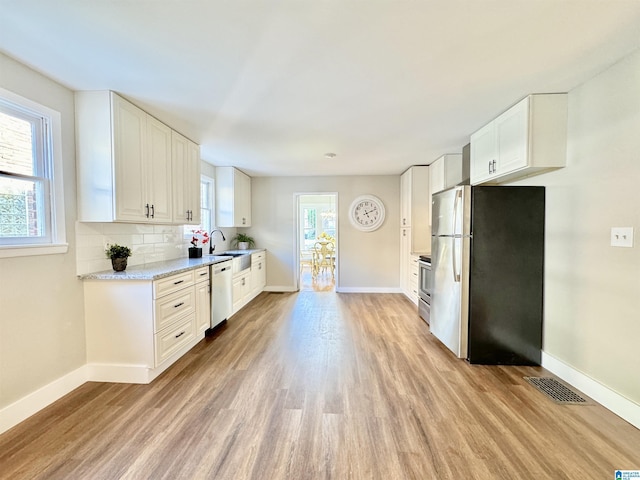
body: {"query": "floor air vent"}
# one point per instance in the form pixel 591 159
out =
pixel 556 391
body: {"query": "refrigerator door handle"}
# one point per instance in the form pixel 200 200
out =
pixel 454 252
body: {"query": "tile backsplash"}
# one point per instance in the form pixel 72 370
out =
pixel 148 243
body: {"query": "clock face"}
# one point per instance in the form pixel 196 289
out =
pixel 367 213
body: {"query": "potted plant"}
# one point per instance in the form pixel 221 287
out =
pixel 118 255
pixel 198 236
pixel 243 241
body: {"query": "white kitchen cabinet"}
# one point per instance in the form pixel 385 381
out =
pixel 445 172
pixel 414 278
pixel 527 139
pixel 157 168
pixel 405 198
pixel 415 206
pixel 124 161
pixel 436 176
pixel 258 273
pixel 203 299
pixel 185 168
pixel 241 288
pixel 233 198
pixel 405 264
pixel 135 329
pixel 415 222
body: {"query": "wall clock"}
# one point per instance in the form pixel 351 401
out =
pixel 367 213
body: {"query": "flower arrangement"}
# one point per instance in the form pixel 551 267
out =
pixel 324 236
pixel 199 235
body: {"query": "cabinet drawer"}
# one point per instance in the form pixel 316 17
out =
pixel 172 284
pixel 255 257
pixel 201 274
pixel 172 307
pixel 172 339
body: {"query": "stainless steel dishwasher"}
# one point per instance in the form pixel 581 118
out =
pixel 221 301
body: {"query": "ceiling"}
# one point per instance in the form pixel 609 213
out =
pixel 271 86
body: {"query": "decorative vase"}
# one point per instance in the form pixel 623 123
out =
pixel 119 264
pixel 243 245
pixel 195 252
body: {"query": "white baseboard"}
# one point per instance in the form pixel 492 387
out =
pixel 368 290
pixel 110 373
pixel 20 410
pixel 280 288
pixel 621 406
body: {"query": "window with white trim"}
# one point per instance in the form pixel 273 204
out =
pixel 31 203
pixel 207 195
pixel 206 203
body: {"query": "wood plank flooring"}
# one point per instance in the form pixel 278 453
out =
pixel 318 385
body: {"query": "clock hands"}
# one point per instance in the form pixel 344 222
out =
pixel 370 211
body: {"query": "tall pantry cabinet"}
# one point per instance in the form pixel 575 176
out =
pixel 415 230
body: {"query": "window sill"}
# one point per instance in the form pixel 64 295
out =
pixel 7 251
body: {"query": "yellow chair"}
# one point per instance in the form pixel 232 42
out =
pixel 306 259
pixel 324 258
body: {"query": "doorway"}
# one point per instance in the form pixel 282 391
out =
pixel 317 241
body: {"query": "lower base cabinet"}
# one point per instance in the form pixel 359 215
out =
pixel 203 300
pixel 241 289
pixel 249 283
pixel 137 328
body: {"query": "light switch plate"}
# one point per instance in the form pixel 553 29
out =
pixel 622 237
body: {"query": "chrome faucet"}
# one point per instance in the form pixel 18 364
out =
pixel 212 247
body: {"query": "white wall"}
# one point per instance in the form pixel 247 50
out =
pixel 367 261
pixel 592 290
pixel 41 309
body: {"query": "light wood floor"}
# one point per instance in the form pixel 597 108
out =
pixel 323 282
pixel 320 386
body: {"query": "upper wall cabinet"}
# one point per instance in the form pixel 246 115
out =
pixel 415 207
pixel 233 198
pixel 125 164
pixel 445 172
pixel 185 167
pixel 527 139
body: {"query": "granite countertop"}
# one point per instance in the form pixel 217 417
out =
pixel 157 270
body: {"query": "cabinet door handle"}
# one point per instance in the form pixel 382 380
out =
pixel 178 305
pixel 203 274
pixel 243 282
pixel 259 266
pixel 146 214
pixel 494 166
pixel 153 211
pixel 180 334
pixel 404 221
pixel 178 282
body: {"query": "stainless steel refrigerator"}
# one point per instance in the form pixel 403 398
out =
pixel 487 249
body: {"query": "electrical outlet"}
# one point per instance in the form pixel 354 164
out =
pixel 622 237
